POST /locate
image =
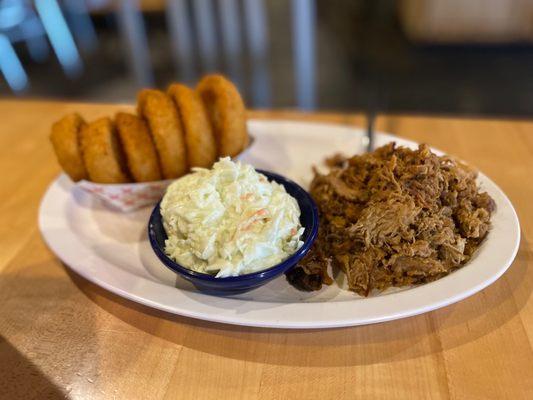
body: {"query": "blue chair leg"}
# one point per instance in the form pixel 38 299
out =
pixel 60 37
pixel 11 67
pixel 82 26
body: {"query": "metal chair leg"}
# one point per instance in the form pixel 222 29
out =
pixel 231 39
pixel 205 27
pixel 181 39
pixel 303 23
pixel 257 38
pixel 132 29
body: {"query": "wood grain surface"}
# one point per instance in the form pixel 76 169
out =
pixel 63 337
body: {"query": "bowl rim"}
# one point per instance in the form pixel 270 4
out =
pixel 291 260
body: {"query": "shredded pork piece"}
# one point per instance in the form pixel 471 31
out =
pixel 394 217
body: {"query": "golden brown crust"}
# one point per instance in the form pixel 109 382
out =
pixel 162 117
pixel 102 153
pixel 227 113
pixel 65 138
pixel 199 137
pixel 138 147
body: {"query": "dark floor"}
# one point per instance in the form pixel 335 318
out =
pixel 363 61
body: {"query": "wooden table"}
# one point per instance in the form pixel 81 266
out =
pixel 61 336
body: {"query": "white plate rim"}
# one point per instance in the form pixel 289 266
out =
pixel 305 315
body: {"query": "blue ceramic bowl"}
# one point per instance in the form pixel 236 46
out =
pixel 243 283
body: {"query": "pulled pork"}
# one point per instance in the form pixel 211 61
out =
pixel 393 217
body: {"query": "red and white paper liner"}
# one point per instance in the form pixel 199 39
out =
pixel 127 196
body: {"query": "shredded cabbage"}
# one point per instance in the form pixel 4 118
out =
pixel 229 220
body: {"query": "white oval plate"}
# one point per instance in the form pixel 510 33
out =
pixel 112 250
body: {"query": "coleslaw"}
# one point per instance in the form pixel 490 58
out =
pixel 229 220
